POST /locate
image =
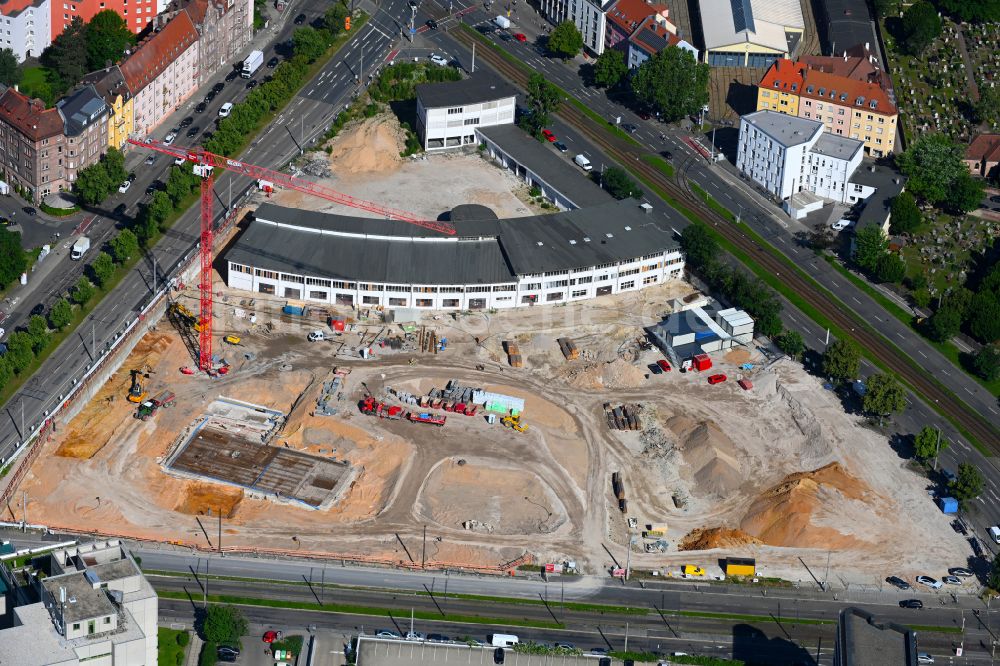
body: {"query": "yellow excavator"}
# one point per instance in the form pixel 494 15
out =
pixel 514 421
pixel 137 392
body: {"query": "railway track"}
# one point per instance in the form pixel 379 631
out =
pixel 973 423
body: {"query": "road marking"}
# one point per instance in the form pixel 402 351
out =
pixel 993 410
pixel 901 337
pixel 921 353
pixel 968 391
pixel 855 300
pixel 834 283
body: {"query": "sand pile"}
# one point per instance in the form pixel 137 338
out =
pixel 716 537
pixel 615 374
pixel 372 146
pixel 787 514
pixel 711 458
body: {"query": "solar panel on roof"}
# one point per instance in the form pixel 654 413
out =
pixel 742 15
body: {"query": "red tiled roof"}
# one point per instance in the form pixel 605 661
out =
pixel 29 116
pixel 155 53
pixel 15 7
pixel 859 69
pixel 785 75
pixel 649 27
pixel 628 14
pixel 984 148
pixel 847 92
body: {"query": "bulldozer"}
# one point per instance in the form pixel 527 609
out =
pixel 137 392
pixel 514 421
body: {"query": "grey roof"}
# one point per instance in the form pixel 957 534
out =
pixel 862 641
pixel 109 83
pixel 81 109
pixel 846 23
pixel 83 601
pixel 115 570
pixel 785 129
pixel 544 161
pixel 387 652
pixel 840 147
pixel 878 205
pixel 483 251
pixel 481 86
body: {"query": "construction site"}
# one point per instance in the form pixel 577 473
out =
pixel 531 435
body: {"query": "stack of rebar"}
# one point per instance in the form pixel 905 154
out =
pixel 623 417
pixel 568 348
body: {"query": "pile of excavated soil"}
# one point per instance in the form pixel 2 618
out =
pixel 615 374
pixel 711 458
pixel 787 514
pixel 371 146
pixel 716 537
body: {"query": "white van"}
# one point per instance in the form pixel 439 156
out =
pixel 503 640
pixel 995 533
pixel 583 162
pixel 317 336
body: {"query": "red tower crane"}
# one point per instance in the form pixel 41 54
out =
pixel 208 162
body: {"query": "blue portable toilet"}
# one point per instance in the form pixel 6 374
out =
pixel 948 504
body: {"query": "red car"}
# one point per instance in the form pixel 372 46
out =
pixel 519 36
pixel 663 365
pixel 716 379
pixel 271 636
pixel 549 135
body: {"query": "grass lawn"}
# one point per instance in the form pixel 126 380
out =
pixel 170 650
pixel 35 83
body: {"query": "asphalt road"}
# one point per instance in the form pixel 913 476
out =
pixel 306 117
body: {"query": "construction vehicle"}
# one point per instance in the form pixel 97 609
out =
pixel 427 417
pixel 514 421
pixel 233 339
pixel 148 408
pixel 185 315
pixel 137 392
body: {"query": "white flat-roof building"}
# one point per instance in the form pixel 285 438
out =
pixel 93 607
pixel 26 27
pixel 587 15
pixel 750 33
pixel 448 113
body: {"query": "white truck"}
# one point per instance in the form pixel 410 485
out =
pixel 80 248
pixel 252 64
pixel 583 162
pixel 502 22
pixel 503 640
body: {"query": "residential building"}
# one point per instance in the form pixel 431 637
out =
pixel 844 25
pixel 885 184
pixel 25 27
pixel 864 641
pixel 625 16
pixel 32 144
pixel 85 604
pixel 858 109
pixel 448 113
pixel 983 156
pixel 488 263
pixel 858 63
pixel 586 15
pixel 110 85
pixel 651 37
pixel 137 14
pixel 750 33
pixel 85 126
pixel 224 30
pixel 162 72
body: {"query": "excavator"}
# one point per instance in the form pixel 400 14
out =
pixel 137 392
pixel 514 421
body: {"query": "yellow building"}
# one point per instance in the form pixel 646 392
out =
pixel 779 89
pixel 110 84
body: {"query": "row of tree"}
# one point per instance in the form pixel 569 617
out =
pixel 97 182
pixel 13 260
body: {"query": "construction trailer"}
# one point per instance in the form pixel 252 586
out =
pixel 741 566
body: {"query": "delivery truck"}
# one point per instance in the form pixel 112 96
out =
pixel 80 248
pixel 252 64
pixel 502 22
pixel 583 162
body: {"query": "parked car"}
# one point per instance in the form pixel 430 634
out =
pixel 929 582
pixel 441 61
pixel 896 581
pixel 911 603
pixel 218 87
pixel 432 24
pixel 506 36
pixel 560 146
pixel 209 97
pixel 519 36
pixel 155 185
pixel 193 131
pixel 271 636
pixel 549 136
pixel 951 580
pixel 232 76
pixel 226 649
pixel 273 62
pixel 924 658
pixel 663 365
pixel 169 139
pixel 959 527
pixel 225 110
pixel 179 161
pixel 630 128
pixel 644 115
pixel 317 336
pixel 717 379
pixel 655 369
pixel 251 84
pixel 186 122
pixel 201 107
pixel 29 211
pixel 415 636
pixel 300 19
pixel 123 188
pixel 498 655
pixel 120 210
pixel 438 638
pixel 840 225
pixel 961 572
pixel 387 633
pixel 151 160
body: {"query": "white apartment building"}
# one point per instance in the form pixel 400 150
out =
pixel 448 113
pixel 587 15
pixel 94 608
pixel 792 158
pixel 26 27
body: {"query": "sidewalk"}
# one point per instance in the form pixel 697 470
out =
pixel 194 650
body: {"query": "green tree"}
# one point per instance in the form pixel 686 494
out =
pixel 886 7
pixel 13 262
pixel 884 395
pixel 82 292
pixel 890 268
pixel 565 40
pixel 968 483
pixel 905 214
pixel 944 324
pixel 124 246
pixel 870 246
pixel 93 185
pixel 841 360
pixel 673 83
pixel 543 99
pixel 987 109
pixel 10 73
pixel 965 194
pixel 38 331
pixel 701 250
pixel 925 443
pixel 224 624
pixel 986 363
pixel 309 43
pixel 920 26
pixel 610 68
pixel 984 317
pixel 993 582
pixel 108 36
pixel 618 184
pixel 972 11
pixel 180 184
pixel 791 343
pixel 334 17
pixel 6 373
pixel 101 269
pixel 932 163
pixel 66 56
pixel 60 314
pixel 19 354
pixel 114 163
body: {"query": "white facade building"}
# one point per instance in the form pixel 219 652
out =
pixel 787 156
pixel 96 609
pixel 489 263
pixel 448 113
pixel 26 27
pixel 587 15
